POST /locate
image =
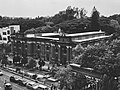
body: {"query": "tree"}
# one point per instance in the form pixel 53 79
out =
pixel 83 13
pixel 69 79
pixel 0 18
pixel 77 53
pixel 4 60
pixel 95 26
pixel 32 63
pixel 116 26
pixel 24 61
pixel 41 63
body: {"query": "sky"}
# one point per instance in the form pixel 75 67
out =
pixel 34 8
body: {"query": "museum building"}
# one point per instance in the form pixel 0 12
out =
pixel 54 47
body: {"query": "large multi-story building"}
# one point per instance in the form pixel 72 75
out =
pixel 55 47
pixel 5 32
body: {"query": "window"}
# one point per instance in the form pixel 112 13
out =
pixel 4 33
pixel 8 32
pixel 0 37
pixel 8 37
pixel 4 38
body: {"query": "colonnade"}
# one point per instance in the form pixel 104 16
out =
pixel 57 53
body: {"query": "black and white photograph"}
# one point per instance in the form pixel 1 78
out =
pixel 59 44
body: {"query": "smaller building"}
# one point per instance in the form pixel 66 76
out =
pixel 5 32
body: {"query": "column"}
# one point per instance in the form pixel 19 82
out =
pixel 45 52
pixel 12 46
pixel 59 53
pixel 52 51
pixel 25 47
pixel 29 48
pixel 42 50
pixel 69 54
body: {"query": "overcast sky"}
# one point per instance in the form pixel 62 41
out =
pixel 34 8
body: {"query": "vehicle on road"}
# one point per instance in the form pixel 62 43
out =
pixel 36 86
pixel 31 85
pixel 14 79
pixel 42 87
pixel 52 79
pixel 22 82
pixel 1 73
pixel 8 86
pixel 12 69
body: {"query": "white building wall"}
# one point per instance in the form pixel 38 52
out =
pixel 5 32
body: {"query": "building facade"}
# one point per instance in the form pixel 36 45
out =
pixel 5 32
pixel 54 47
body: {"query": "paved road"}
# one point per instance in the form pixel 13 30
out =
pixel 6 77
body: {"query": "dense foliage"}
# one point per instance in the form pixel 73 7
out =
pixel 71 20
pixel 102 56
pixel 70 80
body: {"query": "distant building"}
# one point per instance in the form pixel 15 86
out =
pixel 5 32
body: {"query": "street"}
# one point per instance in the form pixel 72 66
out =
pixel 14 85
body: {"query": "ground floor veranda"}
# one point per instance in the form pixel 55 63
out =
pixel 47 50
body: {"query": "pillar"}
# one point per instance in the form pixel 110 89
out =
pixel 42 50
pixel 12 46
pixel 59 53
pixel 69 54
pixel 52 51
pixel 45 52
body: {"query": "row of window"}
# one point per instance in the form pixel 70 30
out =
pixel 5 33
pixel 4 38
pixel 8 32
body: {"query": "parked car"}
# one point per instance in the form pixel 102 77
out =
pixel 12 69
pixel 42 87
pixel 52 79
pixel 22 82
pixel 31 85
pixel 35 86
pixel 17 79
pixel 22 72
pixel 28 74
pixel 14 79
pixel 1 73
pixel 39 76
pixel 8 86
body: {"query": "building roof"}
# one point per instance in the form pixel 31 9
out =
pixel 49 34
pixel 34 36
pixel 85 33
pixel 94 38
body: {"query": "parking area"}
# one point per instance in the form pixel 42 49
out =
pixel 23 77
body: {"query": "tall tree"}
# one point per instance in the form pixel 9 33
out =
pixel 70 80
pixel 95 26
pixel 83 13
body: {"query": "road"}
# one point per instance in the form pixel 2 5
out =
pixel 6 77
